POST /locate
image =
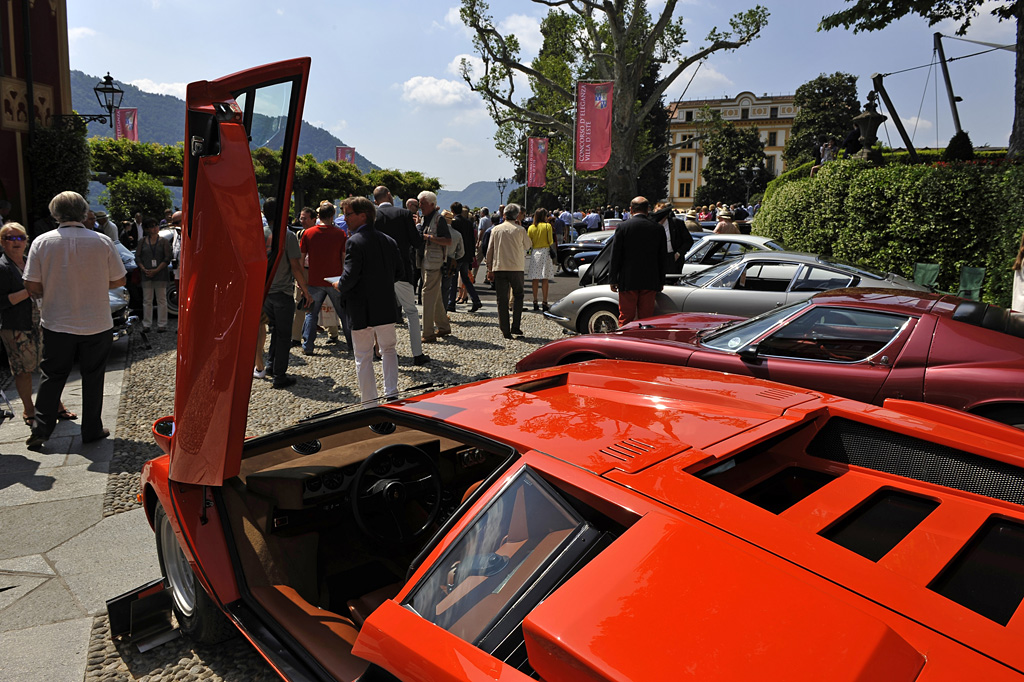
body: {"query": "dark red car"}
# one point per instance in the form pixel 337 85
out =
pixel 866 344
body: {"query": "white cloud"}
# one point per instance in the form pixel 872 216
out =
pixel 174 89
pixel 451 145
pixel 471 117
pixel 526 30
pixel 77 35
pixel 475 63
pixel 709 82
pixel 336 128
pixel 280 12
pixel 913 124
pixel 436 92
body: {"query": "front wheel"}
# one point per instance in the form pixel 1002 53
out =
pixel 600 319
pixel 197 615
pixel 172 298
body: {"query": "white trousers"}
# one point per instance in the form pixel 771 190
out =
pixel 407 299
pixel 362 342
pixel 149 287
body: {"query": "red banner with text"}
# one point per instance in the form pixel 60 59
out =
pixel 537 162
pixel 126 124
pixel 593 125
pixel 347 154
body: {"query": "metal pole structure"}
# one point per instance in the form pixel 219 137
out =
pixel 572 185
pixel 949 85
pixel 876 80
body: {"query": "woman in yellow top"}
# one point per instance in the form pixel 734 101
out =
pixel 539 267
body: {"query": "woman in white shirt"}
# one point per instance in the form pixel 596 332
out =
pixel 1017 302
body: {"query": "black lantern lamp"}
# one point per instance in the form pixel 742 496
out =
pixel 107 94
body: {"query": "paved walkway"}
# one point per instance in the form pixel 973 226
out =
pixel 60 559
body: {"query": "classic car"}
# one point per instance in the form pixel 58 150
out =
pixel 751 284
pixel 590 242
pixel 864 344
pixel 708 249
pixel 609 520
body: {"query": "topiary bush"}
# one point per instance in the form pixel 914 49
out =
pixel 135 192
pixel 117 157
pixel 959 148
pixel 894 216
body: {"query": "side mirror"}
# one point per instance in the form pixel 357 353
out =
pixel 749 353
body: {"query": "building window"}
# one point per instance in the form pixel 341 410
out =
pixel 744 114
pixel 684 190
pixel 685 164
pixel 689 116
pixel 683 139
pixel 774 112
pixel 773 139
pixel 770 164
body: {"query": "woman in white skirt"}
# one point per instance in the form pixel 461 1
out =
pixel 540 266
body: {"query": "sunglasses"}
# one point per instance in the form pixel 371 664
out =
pixel 14 239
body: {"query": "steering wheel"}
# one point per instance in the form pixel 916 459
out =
pixel 396 494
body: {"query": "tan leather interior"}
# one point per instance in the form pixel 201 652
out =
pixel 327 636
pixel 361 608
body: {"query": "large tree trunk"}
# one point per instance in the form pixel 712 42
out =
pixel 621 173
pixel 1017 132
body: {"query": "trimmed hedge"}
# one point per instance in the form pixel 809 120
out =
pixel 894 216
pixel 117 157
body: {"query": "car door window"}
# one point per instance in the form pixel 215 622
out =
pixel 834 335
pixel 698 254
pixel 815 278
pixel 772 277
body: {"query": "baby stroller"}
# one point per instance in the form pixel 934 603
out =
pixel 6 411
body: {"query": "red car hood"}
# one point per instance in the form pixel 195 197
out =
pixel 675 327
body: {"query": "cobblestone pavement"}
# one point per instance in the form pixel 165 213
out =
pixel 476 350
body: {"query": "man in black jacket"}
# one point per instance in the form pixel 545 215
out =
pixel 372 266
pixel 400 225
pixel 637 270
pixel 465 227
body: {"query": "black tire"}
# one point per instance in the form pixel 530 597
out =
pixel 172 298
pixel 1011 415
pixel 599 319
pixel 197 614
pixel 569 266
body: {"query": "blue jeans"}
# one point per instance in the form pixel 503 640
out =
pixel 309 326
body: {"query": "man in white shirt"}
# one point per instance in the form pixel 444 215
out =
pixel 506 262
pixel 71 269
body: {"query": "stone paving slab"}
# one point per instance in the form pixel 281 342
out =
pixel 37 528
pixel 94 573
pixel 23 653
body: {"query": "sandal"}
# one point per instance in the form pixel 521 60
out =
pixel 29 421
pixel 66 415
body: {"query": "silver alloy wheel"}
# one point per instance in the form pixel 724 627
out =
pixel 177 570
pixel 603 320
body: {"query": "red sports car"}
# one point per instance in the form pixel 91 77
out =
pixel 603 521
pixel 859 343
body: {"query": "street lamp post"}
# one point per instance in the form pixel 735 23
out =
pixel 109 97
pixel 748 175
pixel 501 184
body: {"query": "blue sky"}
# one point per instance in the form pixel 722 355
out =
pixel 384 74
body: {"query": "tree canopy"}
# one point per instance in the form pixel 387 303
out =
pixel 872 15
pixel 727 148
pixel 827 105
pixel 614 40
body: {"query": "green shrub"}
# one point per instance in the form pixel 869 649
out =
pixel 59 161
pixel 798 173
pixel 959 148
pixel 894 216
pixel 135 192
pixel 117 157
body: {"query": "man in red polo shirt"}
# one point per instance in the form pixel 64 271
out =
pixel 324 244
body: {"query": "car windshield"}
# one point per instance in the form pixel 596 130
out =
pixel 859 270
pixel 735 337
pixel 495 560
pixel 699 279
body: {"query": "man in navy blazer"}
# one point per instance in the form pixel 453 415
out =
pixel 372 266
pixel 637 270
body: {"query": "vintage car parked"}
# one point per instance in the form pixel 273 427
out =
pixel 708 249
pixel 749 285
pixel 865 344
pixel 606 520
pixel 588 242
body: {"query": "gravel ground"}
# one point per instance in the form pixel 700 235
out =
pixel 475 350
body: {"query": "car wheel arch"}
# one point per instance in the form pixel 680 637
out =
pixel 601 306
pixel 1005 412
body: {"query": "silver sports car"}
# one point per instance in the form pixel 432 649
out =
pixel 749 285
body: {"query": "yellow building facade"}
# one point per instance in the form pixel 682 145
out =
pixel 772 115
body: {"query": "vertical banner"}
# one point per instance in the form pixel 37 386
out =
pixel 126 124
pixel 593 125
pixel 347 154
pixel 537 162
